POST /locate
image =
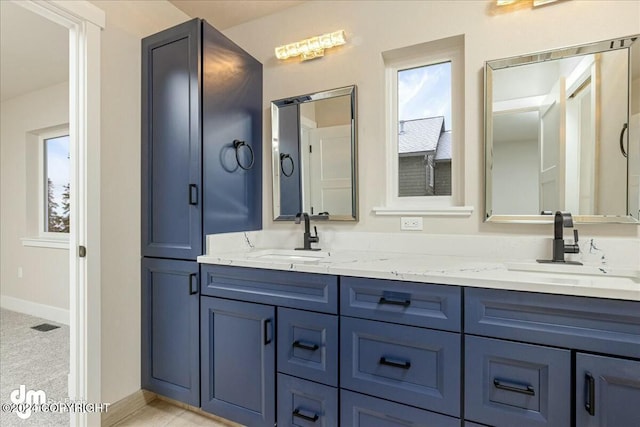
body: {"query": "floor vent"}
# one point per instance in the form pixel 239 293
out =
pixel 45 327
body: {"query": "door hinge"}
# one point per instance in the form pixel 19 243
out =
pixel 82 251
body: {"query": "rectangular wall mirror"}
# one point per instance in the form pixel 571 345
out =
pixel 562 132
pixel 314 154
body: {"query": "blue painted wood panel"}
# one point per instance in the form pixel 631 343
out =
pixel 171 143
pixel 231 110
pixel 170 329
pixel 304 403
pixel 308 345
pixel 514 384
pixel 289 144
pixel 601 325
pixel 238 361
pixel 358 410
pixel 317 292
pixel 607 391
pixel 417 304
pixel 410 365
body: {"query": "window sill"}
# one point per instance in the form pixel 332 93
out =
pixel 46 242
pixel 457 211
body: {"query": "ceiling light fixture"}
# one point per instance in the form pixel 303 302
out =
pixel 312 47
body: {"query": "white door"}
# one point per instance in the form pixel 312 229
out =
pixel 551 146
pixel 329 170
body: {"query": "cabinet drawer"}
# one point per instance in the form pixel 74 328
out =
pixel 317 292
pixel 358 410
pixel 305 403
pixel 416 366
pixel 308 345
pixel 514 384
pixel 416 304
pixel 601 325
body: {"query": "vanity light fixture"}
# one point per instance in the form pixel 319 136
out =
pixel 312 47
pixel 534 3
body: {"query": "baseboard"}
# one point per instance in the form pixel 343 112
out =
pixel 31 308
pixel 125 407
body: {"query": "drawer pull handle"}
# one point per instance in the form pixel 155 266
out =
pixel 298 413
pixel 392 301
pixel 515 387
pixel 306 346
pixel 404 364
pixel 590 394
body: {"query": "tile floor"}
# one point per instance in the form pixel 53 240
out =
pixel 160 413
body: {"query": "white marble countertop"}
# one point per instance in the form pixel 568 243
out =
pixel 475 271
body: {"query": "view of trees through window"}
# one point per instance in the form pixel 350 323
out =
pixel 56 156
pixel 424 130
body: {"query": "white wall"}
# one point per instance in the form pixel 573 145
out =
pixel 127 23
pixel 45 271
pixel 373 27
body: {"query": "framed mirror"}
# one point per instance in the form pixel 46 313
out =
pixel 562 132
pixel 314 155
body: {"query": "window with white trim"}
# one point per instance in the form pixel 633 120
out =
pixel 425 129
pixel 55 183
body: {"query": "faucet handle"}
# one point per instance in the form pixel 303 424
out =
pixel 575 235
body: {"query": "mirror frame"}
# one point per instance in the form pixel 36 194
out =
pixel 554 54
pixel 275 161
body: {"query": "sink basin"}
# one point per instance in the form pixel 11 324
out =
pixel 571 269
pixel 288 255
pixel 579 275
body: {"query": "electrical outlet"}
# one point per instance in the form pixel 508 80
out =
pixel 411 223
pixel 19 272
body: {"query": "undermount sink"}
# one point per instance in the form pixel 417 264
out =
pixel 289 255
pixel 562 273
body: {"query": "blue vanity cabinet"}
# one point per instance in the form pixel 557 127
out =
pixel 201 139
pixel 607 391
pixel 171 143
pixel 400 342
pixel 231 136
pixel 170 329
pixel 238 361
pixel 249 314
pixel 519 370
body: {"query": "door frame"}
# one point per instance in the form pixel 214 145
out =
pixel 84 21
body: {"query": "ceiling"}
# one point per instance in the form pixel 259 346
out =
pixel 34 52
pixel 224 14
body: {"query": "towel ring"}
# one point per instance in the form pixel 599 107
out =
pixel 236 145
pixel 286 156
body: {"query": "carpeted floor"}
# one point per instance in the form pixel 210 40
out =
pixel 37 360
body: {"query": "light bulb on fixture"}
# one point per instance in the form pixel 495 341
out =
pixel 312 47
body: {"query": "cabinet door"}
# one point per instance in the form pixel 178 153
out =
pixel 231 111
pixel 238 361
pixel 171 155
pixel 170 329
pixel 607 391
